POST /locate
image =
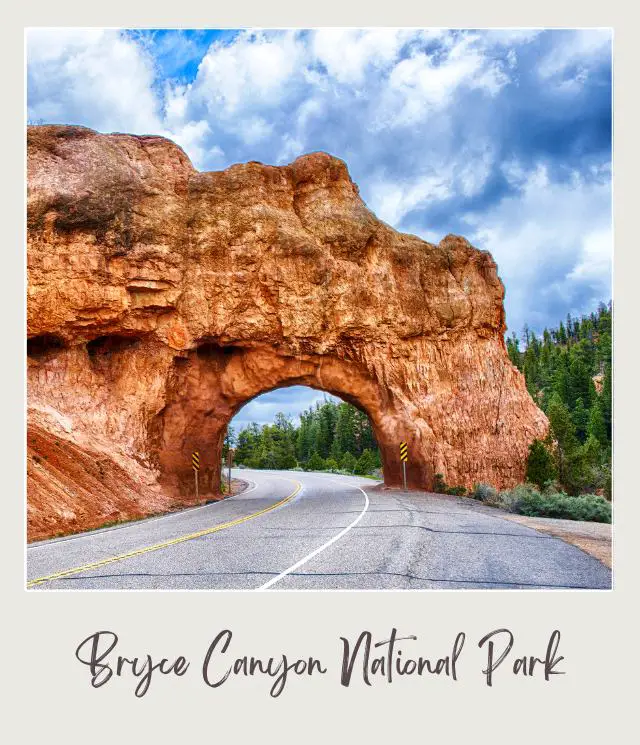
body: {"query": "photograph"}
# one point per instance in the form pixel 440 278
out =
pixel 318 309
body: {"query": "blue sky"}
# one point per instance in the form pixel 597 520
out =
pixel 501 136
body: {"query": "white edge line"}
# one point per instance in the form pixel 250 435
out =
pixel 324 546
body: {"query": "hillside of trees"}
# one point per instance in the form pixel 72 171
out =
pixel 568 371
pixel 331 436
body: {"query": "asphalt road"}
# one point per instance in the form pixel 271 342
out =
pixel 293 530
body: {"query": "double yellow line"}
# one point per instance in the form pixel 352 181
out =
pixel 164 544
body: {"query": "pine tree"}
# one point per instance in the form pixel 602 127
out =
pixel 304 440
pixel 607 400
pixel 513 350
pixel 540 465
pixel 580 417
pixel 245 446
pixel 325 429
pixel 365 463
pixel 592 452
pixel 345 428
pixel 348 462
pixel 562 334
pixel 597 427
pixel 562 380
pixel 567 445
pixel 315 462
pixel 579 382
pixel 530 365
pixel 227 444
pixel 335 451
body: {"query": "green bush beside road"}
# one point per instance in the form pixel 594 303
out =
pixel 525 499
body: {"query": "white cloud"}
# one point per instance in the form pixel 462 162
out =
pixel 98 78
pixel 509 36
pixel 192 138
pixel 290 150
pixel 424 81
pixel 466 174
pixel 254 129
pixel 347 53
pixel 291 401
pixel 474 169
pixel 595 257
pixel 392 200
pixel 250 71
pixel 545 227
pixel 578 53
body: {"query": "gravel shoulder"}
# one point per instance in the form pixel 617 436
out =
pixel 592 538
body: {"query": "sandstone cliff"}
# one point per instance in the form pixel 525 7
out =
pixel 161 299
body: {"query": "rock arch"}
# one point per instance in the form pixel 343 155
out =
pixel 161 299
pixel 211 390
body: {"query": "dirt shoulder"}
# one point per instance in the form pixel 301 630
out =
pixel 593 538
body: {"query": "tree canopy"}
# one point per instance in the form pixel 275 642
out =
pixel 331 436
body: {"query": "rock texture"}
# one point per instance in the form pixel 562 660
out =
pixel 162 299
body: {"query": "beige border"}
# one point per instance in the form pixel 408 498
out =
pixel 47 689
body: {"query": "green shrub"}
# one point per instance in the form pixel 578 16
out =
pixel 456 491
pixel 315 462
pixel 484 493
pixel 511 499
pixel 589 507
pixel 439 486
pixel 330 465
pixel 551 487
pixel 288 462
pixel 597 478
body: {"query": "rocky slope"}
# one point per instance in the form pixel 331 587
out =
pixel 161 299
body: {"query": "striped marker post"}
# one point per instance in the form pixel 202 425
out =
pixel 195 464
pixel 230 454
pixel 404 457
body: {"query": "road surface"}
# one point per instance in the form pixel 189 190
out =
pixel 292 530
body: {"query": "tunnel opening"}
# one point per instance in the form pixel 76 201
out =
pixel 303 428
pixel 213 399
pixel 44 346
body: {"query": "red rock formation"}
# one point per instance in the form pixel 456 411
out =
pixel 161 299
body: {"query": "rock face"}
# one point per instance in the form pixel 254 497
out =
pixel 162 299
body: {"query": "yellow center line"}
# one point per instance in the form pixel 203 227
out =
pixel 164 544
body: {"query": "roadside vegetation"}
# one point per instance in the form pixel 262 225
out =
pixel 526 499
pixel 568 372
